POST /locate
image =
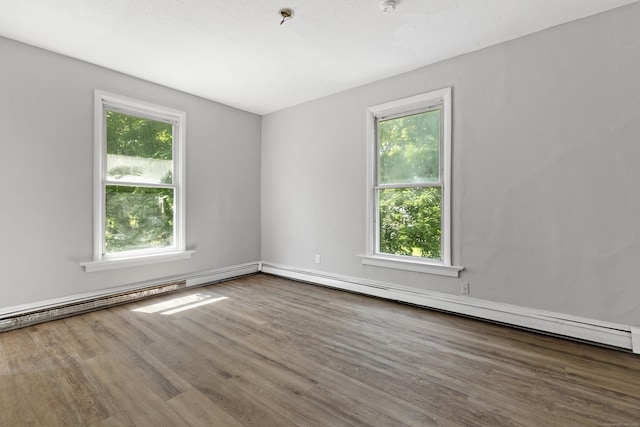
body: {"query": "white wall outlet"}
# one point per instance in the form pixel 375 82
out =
pixel 317 259
pixel 464 288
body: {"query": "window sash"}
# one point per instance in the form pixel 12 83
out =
pixel 173 121
pixel 380 223
pixel 436 106
pixel 154 209
pixel 140 111
pixel 410 185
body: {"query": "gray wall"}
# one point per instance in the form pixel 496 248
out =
pixel 46 162
pixel 546 144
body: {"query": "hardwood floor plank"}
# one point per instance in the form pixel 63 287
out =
pixel 284 400
pixel 149 370
pixel 13 410
pixel 36 375
pixel 140 404
pixel 75 386
pixel 41 408
pixel 197 410
pixel 117 420
pixel 82 338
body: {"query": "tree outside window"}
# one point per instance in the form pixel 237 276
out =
pixel 409 188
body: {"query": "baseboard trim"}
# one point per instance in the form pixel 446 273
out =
pixel 559 324
pixel 221 274
pixel 44 311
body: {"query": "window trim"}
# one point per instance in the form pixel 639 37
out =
pixel 101 261
pixel 399 108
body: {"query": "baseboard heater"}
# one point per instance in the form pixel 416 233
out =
pixel 19 317
pixel 45 314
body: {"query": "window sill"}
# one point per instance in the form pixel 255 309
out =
pixel 115 263
pixel 411 265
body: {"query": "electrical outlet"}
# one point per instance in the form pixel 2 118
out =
pixel 317 259
pixel 464 288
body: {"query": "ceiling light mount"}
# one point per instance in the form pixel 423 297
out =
pixel 286 14
pixel 388 6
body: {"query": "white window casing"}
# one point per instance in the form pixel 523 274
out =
pixel 104 101
pixel 436 99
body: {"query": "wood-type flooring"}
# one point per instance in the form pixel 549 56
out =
pixel 266 351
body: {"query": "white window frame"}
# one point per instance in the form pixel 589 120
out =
pixel 399 108
pixel 104 101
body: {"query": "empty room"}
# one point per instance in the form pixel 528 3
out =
pixel 329 213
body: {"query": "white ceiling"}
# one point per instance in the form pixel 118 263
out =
pixel 235 52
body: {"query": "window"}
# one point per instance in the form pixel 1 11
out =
pixel 409 200
pixel 139 206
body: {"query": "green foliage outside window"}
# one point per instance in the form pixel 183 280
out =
pixel 138 137
pixel 410 217
pixel 138 216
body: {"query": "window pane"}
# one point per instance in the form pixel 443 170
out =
pixel 409 149
pixel 138 218
pixel 138 149
pixel 410 221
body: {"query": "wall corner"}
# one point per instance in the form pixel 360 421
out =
pixel 635 339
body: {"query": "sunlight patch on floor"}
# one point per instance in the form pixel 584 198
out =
pixel 176 305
